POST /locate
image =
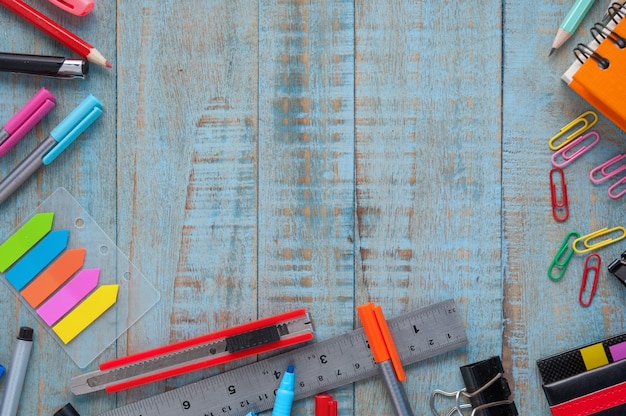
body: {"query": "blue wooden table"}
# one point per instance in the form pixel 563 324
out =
pixel 255 157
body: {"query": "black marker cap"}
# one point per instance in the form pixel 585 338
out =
pixel 25 334
pixel 68 410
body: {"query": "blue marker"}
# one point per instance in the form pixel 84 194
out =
pixel 285 393
pixel 62 136
pixel 2 370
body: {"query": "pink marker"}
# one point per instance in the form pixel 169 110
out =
pixel 76 7
pixel 69 296
pixel 25 119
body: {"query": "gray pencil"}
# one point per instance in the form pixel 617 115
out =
pixel 17 372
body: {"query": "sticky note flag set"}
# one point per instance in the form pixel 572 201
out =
pixel 73 278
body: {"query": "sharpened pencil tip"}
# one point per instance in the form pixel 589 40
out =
pixel 108 64
pixel 551 51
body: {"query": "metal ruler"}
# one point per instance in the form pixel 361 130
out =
pixel 321 366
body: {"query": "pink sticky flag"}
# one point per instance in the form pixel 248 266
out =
pixel 69 296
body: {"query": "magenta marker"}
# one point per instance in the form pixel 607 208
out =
pixel 25 119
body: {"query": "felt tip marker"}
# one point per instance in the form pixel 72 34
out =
pixel 285 393
pixel 17 372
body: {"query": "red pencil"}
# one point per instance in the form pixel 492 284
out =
pixel 56 31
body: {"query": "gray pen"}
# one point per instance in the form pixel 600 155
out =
pixel 17 372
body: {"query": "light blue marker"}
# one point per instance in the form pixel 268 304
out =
pixel 285 394
pixel 62 136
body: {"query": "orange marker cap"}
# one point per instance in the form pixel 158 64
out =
pixel 379 337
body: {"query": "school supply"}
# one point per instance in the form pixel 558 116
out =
pixel 325 405
pixel 486 389
pixel 562 258
pixel 47 66
pixel 59 139
pixel 284 394
pixel 618 268
pixel 588 380
pixel 55 31
pixel 575 149
pixel 597 73
pixel 25 119
pixel 607 15
pixel 231 344
pixel 560 204
pixel 570 23
pixel 322 366
pixel 610 169
pixel 76 7
pixel 67 410
pixel 69 274
pixel 586 120
pixel 386 356
pixel 592 266
pixel 605 236
pixel 17 372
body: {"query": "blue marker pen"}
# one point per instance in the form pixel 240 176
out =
pixel 285 393
pixel 62 136
pixel 2 370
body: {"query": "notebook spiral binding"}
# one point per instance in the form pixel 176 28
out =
pixel 601 31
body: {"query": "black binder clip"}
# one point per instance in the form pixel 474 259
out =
pixel 618 268
pixel 486 389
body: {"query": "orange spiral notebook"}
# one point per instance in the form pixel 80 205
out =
pixel 598 74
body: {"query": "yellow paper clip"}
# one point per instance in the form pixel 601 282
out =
pixel 600 233
pixel 586 125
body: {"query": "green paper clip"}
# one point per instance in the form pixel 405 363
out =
pixel 561 259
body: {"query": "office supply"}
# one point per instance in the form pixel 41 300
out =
pixel 560 204
pixel 596 73
pixel 614 191
pixel 486 389
pixel 604 232
pixel 60 137
pixel 618 268
pixel 54 276
pixel 33 262
pixel 322 366
pixel 386 355
pixel 76 7
pixel 68 296
pixel 586 120
pixel 325 405
pixel 121 297
pixel 285 394
pixel 48 66
pixel 25 119
pixel 56 31
pixel 587 380
pixel 86 312
pixel 608 169
pixel 562 257
pixel 25 238
pixel 251 414
pixel 67 410
pixel 607 14
pixel 17 372
pixel 591 266
pixel 2 370
pixel 576 148
pixel 570 23
pixel 252 338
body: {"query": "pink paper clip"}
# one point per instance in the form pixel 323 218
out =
pixel 589 268
pixel 564 152
pixel 76 7
pixel 557 205
pixel 604 171
pixel 616 186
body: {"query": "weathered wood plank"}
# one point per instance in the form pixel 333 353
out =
pixel 427 174
pixel 306 159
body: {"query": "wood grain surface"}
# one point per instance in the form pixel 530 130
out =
pixel 255 157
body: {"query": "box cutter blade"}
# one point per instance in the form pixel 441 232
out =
pixel 205 351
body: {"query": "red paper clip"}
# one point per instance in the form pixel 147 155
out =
pixel 563 204
pixel 589 268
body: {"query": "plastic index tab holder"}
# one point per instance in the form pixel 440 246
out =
pixel 81 288
pixel 264 335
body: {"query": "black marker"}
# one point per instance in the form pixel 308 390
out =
pixel 16 372
pixel 49 66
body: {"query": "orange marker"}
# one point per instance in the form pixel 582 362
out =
pixel 386 355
